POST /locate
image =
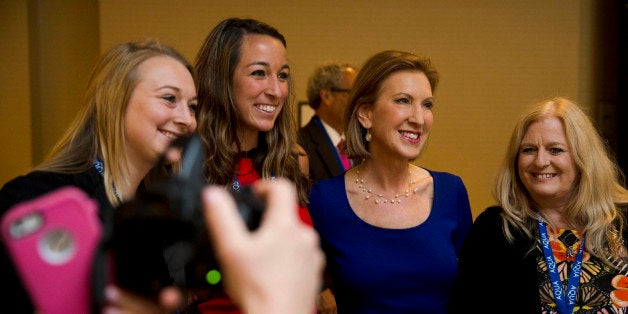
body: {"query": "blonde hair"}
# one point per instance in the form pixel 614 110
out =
pixel 599 201
pixel 98 129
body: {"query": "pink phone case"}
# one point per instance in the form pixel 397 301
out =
pixel 52 241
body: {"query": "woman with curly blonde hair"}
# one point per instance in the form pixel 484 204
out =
pixel 558 233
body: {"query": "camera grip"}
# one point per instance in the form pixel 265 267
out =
pixel 154 247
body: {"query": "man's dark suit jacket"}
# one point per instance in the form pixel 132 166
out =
pixel 324 163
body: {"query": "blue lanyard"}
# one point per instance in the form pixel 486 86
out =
pixel 562 306
pixel 100 167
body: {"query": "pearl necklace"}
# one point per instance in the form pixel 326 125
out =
pixel 377 196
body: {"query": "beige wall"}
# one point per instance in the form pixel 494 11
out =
pixel 63 47
pixel 494 57
pixel 15 128
pixel 48 48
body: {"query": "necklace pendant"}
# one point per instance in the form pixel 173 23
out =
pixel 235 185
pixel 380 198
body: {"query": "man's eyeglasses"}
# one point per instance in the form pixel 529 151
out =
pixel 339 90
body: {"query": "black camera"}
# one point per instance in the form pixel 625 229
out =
pixel 160 238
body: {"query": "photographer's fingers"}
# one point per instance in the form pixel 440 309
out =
pixel 277 268
pixel 280 198
pixel 225 225
pixel 120 301
pixel 172 155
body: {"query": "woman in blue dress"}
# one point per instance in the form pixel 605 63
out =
pixel 391 230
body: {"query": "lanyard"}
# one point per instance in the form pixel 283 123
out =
pixel 562 306
pixel 100 167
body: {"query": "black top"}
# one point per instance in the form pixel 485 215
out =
pixel 495 276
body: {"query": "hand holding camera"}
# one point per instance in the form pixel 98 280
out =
pixel 279 267
pixel 160 237
pixel 163 235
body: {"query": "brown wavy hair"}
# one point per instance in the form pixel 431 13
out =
pixel 217 114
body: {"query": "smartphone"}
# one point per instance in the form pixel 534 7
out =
pixel 52 241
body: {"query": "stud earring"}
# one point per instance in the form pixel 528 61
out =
pixel 368 136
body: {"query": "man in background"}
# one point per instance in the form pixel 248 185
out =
pixel 323 137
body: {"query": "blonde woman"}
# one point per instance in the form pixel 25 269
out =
pixel 140 97
pixel 556 242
